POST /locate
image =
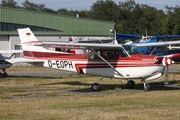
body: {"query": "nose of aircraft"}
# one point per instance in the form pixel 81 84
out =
pixel 167 61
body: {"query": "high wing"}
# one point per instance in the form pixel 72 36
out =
pixel 117 46
pixel 158 44
pixel 97 41
pixel 83 45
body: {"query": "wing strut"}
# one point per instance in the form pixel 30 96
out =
pixel 11 55
pixel 107 63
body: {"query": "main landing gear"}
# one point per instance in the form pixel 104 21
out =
pixel 131 85
pixel 96 86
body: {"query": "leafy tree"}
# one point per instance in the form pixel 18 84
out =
pixel 9 3
pixel 106 10
pixel 176 30
pixel 84 14
pixel 36 7
pixel 32 6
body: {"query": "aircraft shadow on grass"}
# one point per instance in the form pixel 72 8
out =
pixel 105 87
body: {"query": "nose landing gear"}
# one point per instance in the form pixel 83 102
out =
pixel 146 86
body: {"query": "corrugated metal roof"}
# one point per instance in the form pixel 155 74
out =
pixel 61 24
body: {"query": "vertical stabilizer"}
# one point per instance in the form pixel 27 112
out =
pixel 26 35
pixel 28 42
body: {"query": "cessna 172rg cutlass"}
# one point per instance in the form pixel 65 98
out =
pixel 105 60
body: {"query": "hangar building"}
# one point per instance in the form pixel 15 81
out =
pixel 47 27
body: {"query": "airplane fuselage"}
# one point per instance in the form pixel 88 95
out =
pixel 136 66
pixel 127 69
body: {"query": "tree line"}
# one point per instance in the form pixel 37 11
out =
pixel 129 17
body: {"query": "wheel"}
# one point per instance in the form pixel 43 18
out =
pixel 95 87
pixel 130 84
pixel 146 86
pixel 5 74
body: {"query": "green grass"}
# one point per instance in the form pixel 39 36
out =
pixel 36 98
pixel 144 105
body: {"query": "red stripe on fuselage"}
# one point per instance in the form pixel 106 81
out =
pixel 51 55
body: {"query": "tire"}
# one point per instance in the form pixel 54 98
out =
pixel 95 87
pixel 146 87
pixel 130 84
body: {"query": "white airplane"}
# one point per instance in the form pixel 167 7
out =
pixel 4 64
pixel 106 60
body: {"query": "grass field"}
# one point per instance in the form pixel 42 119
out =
pixel 38 98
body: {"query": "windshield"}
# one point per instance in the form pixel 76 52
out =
pixel 132 49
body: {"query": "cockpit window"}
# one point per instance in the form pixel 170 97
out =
pixel 132 49
pixel 106 54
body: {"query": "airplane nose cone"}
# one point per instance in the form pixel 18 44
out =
pixel 167 62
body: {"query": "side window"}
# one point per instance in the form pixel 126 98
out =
pixel 106 54
pixel 110 54
pixel 123 53
pixel 92 55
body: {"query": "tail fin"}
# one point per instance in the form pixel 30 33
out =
pixel 27 39
pixel 26 35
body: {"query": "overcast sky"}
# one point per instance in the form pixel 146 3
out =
pixel 86 4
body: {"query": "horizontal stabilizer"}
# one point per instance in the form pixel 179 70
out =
pixel 11 51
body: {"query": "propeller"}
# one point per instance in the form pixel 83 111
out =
pixel 166 62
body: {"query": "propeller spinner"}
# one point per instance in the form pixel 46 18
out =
pixel 167 62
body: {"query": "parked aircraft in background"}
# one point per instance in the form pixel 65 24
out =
pixel 129 39
pixel 139 39
pixel 5 64
pixel 105 60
